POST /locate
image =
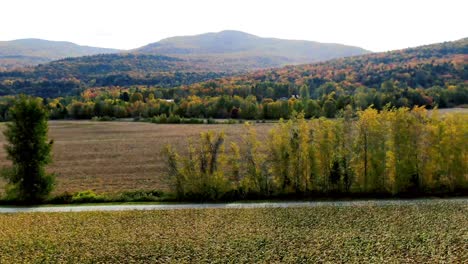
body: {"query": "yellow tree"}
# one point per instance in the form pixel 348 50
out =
pixel 370 151
pixel 254 174
pixel 454 145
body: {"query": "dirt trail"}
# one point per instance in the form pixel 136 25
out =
pixel 130 207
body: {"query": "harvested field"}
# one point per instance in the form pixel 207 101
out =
pixel 424 233
pixel 119 156
pixel 456 110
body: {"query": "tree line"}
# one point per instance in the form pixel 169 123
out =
pixel 388 152
pixel 259 102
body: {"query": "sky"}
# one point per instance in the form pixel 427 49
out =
pixel 376 25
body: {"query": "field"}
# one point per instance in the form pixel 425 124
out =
pixel 118 156
pixel 435 232
pixel 456 110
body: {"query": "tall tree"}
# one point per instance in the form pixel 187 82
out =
pixel 29 150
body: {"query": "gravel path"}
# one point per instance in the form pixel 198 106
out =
pixel 129 207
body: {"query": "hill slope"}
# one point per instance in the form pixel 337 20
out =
pixel 421 76
pixel 66 76
pixel 25 52
pixel 235 50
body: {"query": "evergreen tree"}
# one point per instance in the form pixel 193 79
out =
pixel 29 150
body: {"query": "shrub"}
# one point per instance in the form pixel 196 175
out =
pixel 174 119
pixel 160 119
pixel 141 196
pixel 211 121
pixel 87 197
pixel 64 198
pixel 193 121
pixel 103 118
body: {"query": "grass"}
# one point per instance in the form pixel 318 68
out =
pixel 118 156
pixel 425 233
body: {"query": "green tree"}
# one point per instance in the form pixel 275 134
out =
pixel 329 108
pixel 124 96
pixel 304 92
pixel 29 150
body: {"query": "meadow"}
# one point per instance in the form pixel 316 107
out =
pixel 433 232
pixel 119 156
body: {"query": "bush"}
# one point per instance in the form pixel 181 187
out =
pixel 193 121
pixel 211 121
pixel 160 119
pixel 174 119
pixel 231 121
pixel 103 118
pixel 64 198
pixel 87 197
pixel 141 196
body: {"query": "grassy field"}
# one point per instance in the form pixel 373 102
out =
pixel 426 233
pixel 118 156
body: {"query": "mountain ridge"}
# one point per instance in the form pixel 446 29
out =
pixel 32 51
pixel 230 46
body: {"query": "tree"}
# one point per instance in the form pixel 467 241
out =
pixel 329 108
pixel 29 150
pixel 201 174
pixel 136 96
pixel 125 97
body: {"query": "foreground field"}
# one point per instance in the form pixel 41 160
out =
pixel 424 233
pixel 118 156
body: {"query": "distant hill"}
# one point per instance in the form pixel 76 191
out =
pixel 188 60
pixel 27 52
pixel 225 51
pixel 68 76
pixel 234 50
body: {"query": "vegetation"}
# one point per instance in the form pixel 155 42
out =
pixel 175 119
pixel 428 75
pixel 70 76
pixel 355 234
pixel 394 152
pixel 29 151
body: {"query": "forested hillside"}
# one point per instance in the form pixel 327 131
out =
pixel 427 75
pixel 27 52
pixel 70 76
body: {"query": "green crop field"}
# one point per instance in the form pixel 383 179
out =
pixel 435 232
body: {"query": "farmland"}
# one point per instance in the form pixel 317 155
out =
pixel 118 156
pixel 418 233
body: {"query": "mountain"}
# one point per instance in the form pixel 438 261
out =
pixel 234 50
pixel 225 51
pixel 26 52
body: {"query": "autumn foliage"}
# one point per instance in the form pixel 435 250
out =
pixel 391 152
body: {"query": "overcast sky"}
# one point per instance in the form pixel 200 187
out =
pixel 377 25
